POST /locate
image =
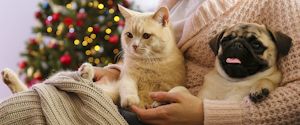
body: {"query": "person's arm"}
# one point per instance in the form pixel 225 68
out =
pixel 186 109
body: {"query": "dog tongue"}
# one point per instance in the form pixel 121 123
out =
pixel 233 60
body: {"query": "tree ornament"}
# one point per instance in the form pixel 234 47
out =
pixel 22 64
pixel 38 24
pixel 37 74
pixel 66 59
pixel 120 28
pixel 46 6
pixel 32 41
pixel 72 35
pixel 68 21
pixel 38 14
pixel 61 44
pixel 74 6
pixel 53 44
pixel 96 29
pixel 48 22
pixel 39 37
pixel 56 16
pixel 114 39
pixel 101 18
pixel 30 71
pixel 79 23
pixel 126 4
pixel 121 23
pixel 81 15
pixel 56 9
pixel 112 5
pixel 106 13
pixel 93 51
pixel 33 82
pixel 60 27
pixel 19 73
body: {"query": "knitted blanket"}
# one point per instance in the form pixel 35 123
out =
pixel 65 98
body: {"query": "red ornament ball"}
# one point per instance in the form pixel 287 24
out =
pixel 112 5
pixel 96 29
pixel 37 75
pixel 22 64
pixel 79 23
pixel 71 35
pixel 53 45
pixel 48 22
pixel 126 4
pixel 32 41
pixel 66 59
pixel 68 21
pixel 121 23
pixel 38 14
pixel 33 82
pixel 55 17
pixel 114 39
pixel 81 16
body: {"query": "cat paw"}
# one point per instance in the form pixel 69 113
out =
pixel 8 76
pixel 259 94
pixel 128 100
pixel 157 104
pixel 86 71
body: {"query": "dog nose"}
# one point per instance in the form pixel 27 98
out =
pixel 237 45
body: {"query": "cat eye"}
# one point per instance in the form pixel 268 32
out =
pixel 146 36
pixel 129 35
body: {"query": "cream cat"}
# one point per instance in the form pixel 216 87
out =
pixel 152 61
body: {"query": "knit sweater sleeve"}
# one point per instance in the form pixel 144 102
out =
pixel 283 105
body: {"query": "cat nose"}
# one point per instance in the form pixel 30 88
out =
pixel 134 46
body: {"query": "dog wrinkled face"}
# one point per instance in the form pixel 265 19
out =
pixel 247 48
pixel 241 54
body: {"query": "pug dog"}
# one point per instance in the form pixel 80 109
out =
pixel 246 55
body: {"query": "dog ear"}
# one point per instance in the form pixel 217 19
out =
pixel 214 43
pixel 282 41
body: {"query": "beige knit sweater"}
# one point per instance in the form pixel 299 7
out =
pixel 65 99
pixel 283 105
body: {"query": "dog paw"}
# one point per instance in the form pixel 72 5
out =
pixel 128 100
pixel 86 71
pixel 157 104
pixel 259 94
pixel 8 76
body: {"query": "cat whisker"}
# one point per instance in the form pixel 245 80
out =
pixel 119 56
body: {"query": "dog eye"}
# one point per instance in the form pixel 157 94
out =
pixel 224 42
pixel 258 48
pixel 129 35
pixel 255 46
pixel 146 36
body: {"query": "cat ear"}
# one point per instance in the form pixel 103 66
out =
pixel 162 15
pixel 125 12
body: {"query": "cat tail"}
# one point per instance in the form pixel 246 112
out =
pixel 110 88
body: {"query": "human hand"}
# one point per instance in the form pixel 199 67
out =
pixel 185 109
pixel 102 75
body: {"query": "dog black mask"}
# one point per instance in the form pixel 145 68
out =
pixel 245 50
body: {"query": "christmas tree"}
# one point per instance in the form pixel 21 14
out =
pixel 71 32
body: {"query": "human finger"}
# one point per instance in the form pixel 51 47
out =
pixel 149 114
pixel 166 96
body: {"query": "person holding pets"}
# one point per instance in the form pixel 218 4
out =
pixel 195 22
